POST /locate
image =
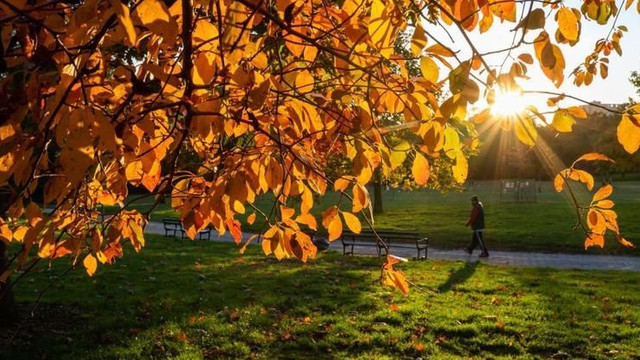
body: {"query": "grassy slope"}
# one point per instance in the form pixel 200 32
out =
pixel 542 226
pixel 192 300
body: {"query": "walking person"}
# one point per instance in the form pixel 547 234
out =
pixel 476 220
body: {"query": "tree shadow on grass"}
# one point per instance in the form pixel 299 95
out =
pixel 181 297
pixel 578 313
pixel 459 276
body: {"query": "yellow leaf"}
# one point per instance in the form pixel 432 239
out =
pixel 451 142
pixel 420 169
pixel 563 121
pixel 526 131
pixel 629 133
pixel 352 221
pixel 381 29
pixel 419 40
pixel 335 228
pixel 155 16
pixel 568 24
pixel 460 168
pixel 429 69
pixel 125 20
pixel 90 264
pixel 602 193
pixel 399 154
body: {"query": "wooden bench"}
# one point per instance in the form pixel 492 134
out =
pixel 399 239
pixel 173 226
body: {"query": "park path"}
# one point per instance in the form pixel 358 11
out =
pixel 510 258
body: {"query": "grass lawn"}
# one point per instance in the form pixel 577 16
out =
pixel 191 300
pixel 545 225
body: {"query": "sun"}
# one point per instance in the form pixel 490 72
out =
pixel 508 104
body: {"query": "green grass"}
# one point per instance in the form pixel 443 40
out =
pixel 546 225
pixel 192 300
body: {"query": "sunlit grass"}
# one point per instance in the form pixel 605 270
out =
pixel 202 300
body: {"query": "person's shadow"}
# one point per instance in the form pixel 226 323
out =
pixel 459 276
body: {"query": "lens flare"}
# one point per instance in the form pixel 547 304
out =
pixel 508 104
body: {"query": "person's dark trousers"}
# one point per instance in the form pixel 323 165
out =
pixel 477 239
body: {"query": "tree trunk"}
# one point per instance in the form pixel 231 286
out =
pixel 8 308
pixel 377 196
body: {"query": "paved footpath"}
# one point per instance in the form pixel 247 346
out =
pixel 511 258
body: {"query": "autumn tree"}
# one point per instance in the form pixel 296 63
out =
pixel 99 95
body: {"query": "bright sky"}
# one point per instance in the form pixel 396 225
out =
pixel 615 89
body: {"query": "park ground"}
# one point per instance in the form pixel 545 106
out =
pixel 179 299
pixel 542 226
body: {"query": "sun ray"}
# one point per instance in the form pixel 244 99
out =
pixel 508 104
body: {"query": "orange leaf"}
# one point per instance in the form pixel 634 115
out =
pixel 251 218
pixel 420 169
pixel 577 111
pixel 335 228
pixel 5 232
pixel 328 215
pixel 394 278
pixel 360 197
pixel 440 50
pixel 286 212
pixel 593 157
pixel 341 184
pixel 307 219
pixel 624 242
pixel 234 229
pixel 594 240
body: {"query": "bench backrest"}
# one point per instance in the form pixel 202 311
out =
pixel 384 235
